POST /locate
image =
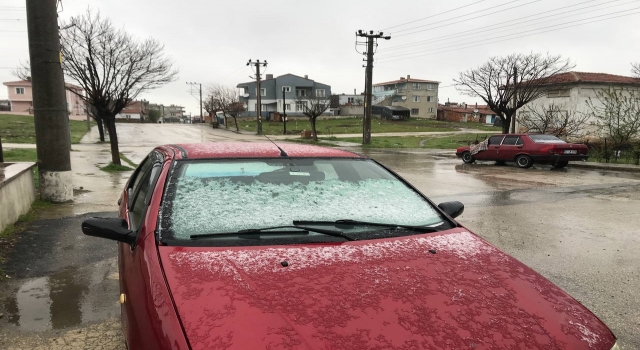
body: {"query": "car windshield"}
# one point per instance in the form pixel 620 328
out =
pixel 226 196
pixel 545 139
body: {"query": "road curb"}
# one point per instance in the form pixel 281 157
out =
pixel 605 166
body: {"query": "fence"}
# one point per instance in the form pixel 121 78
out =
pixel 606 151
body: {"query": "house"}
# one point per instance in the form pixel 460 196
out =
pixel 351 105
pixel 571 91
pixel 297 91
pixel 136 110
pixel 173 112
pixel 21 98
pixel 418 95
pixel 454 112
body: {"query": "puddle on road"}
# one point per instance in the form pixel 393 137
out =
pixel 65 299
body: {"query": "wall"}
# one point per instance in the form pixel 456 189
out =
pixel 16 191
pixel 22 106
pixel 27 96
pixel 352 110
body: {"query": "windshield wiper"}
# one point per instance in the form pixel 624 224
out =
pixel 366 223
pixel 268 230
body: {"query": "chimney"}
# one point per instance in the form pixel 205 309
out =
pixel 465 105
pixel 401 78
pixel 354 91
pixel 306 77
pixel 269 76
pixel 408 77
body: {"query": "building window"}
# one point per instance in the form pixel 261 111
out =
pixel 430 98
pixel 286 88
pixel 263 92
pixel 19 91
pixel 301 93
pixel 416 98
pixel 351 99
pixel 320 93
pixel 431 86
pixel 287 106
pixel 430 109
pixel 417 86
pixel 301 106
pixel 558 93
pixel 415 111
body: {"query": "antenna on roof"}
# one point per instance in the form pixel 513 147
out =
pixel 282 152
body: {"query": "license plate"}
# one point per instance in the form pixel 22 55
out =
pixel 570 151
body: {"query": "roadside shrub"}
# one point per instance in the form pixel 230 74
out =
pixel 606 152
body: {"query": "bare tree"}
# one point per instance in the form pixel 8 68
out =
pixel 23 71
pixel 554 119
pixel 313 107
pixel 494 81
pixel 225 99
pixel 112 66
pixel 635 69
pixel 617 112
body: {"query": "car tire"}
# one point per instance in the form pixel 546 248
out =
pixel 524 161
pixel 467 157
pixel 560 164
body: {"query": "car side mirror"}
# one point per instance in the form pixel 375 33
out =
pixel 453 209
pixel 109 228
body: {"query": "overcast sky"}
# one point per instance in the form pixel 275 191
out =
pixel 211 41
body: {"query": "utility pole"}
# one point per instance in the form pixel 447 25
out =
pixel 515 99
pixel 51 116
pixel 200 88
pixel 257 64
pixel 284 114
pixel 366 123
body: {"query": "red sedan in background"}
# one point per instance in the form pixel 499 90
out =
pixel 255 246
pixel 525 150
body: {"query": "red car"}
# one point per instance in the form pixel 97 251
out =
pixel 255 246
pixel 525 150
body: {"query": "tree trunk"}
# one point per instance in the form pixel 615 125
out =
pixel 113 140
pixel 100 128
pixel 235 119
pixel 313 128
pixel 226 124
pixel 506 123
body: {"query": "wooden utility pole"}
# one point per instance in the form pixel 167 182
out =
pixel 257 64
pixel 366 123
pixel 200 89
pixel 515 100
pixel 284 113
pixel 51 115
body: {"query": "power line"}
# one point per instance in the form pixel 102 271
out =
pixel 493 28
pixel 465 15
pixel 437 14
pixel 452 23
pixel 526 31
pixel 518 37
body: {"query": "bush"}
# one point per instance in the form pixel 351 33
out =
pixel 605 151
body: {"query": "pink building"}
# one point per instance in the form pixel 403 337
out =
pixel 21 99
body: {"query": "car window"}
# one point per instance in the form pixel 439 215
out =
pixel 510 140
pixel 225 196
pixel 139 205
pixel 141 170
pixel 495 140
pixel 545 139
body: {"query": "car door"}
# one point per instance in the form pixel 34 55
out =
pixel 128 257
pixel 510 146
pixel 492 148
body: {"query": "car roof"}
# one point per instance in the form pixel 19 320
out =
pixel 254 150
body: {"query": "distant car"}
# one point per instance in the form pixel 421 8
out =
pixel 254 246
pixel 525 150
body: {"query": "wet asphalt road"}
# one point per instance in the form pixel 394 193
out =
pixel 576 227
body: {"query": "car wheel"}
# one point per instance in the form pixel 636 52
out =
pixel 524 161
pixel 468 158
pixel 560 165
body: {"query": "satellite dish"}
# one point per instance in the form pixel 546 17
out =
pixel 404 98
pixel 475 111
pixel 245 95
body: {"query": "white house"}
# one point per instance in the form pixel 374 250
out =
pixel 572 90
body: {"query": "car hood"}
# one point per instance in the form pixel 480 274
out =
pixel 446 290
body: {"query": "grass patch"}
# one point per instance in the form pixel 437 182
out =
pixel 127 160
pixel 443 142
pixel 32 215
pixel 330 127
pixel 114 168
pixel 21 129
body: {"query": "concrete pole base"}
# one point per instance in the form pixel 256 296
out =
pixel 56 186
